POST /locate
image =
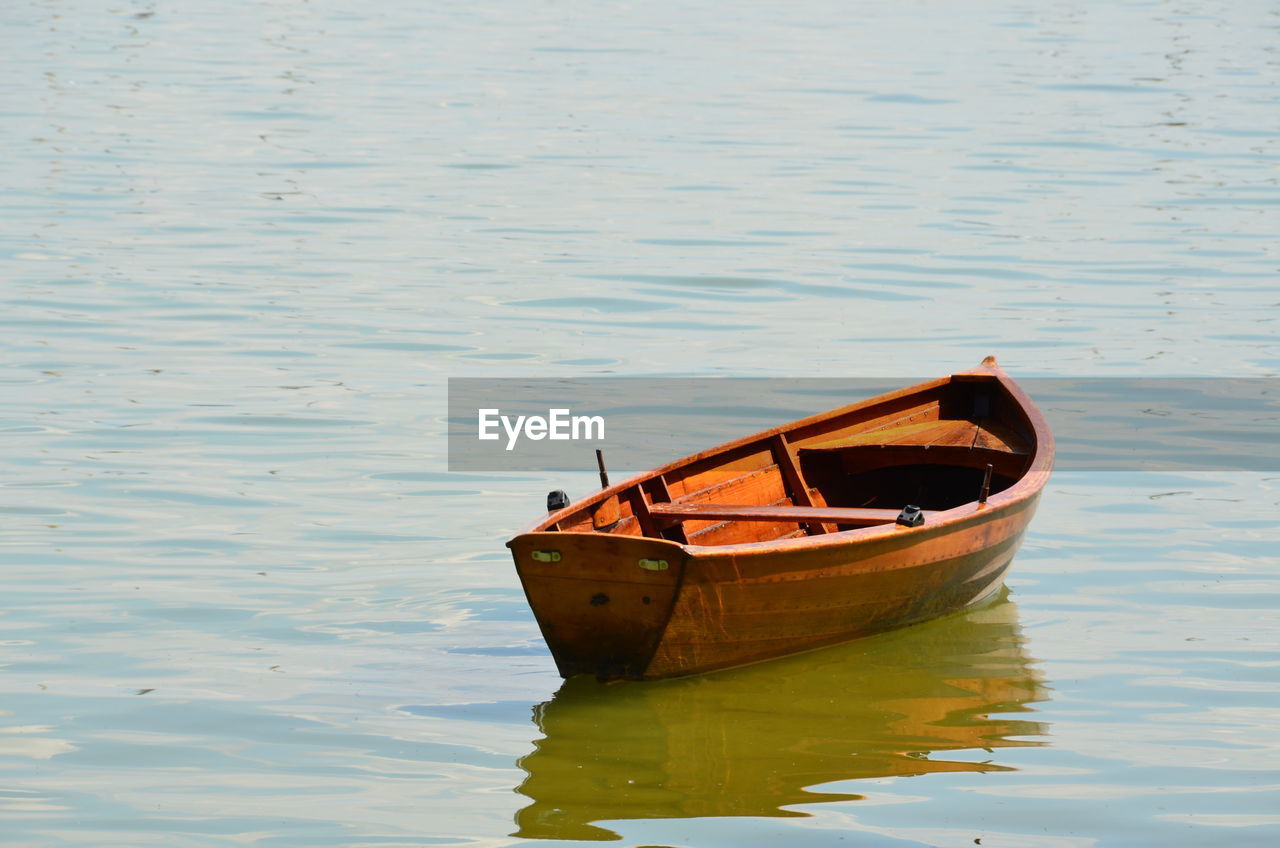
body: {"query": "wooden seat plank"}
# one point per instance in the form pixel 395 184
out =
pixel 946 433
pixel 868 457
pixel 799 514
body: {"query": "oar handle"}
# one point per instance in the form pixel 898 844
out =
pixel 604 475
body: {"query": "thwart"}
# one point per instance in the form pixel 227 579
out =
pixel 876 515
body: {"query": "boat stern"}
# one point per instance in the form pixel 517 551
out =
pixel 601 601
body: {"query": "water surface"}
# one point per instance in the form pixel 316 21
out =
pixel 244 246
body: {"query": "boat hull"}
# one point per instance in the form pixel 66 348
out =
pixel 601 613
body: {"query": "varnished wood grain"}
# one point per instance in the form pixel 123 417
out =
pixel 798 514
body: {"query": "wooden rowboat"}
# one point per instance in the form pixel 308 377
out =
pixel 876 515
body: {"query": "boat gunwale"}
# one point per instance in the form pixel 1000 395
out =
pixel 1028 485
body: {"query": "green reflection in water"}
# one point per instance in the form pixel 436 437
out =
pixel 750 741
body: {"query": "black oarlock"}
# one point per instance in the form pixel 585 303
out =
pixel 911 516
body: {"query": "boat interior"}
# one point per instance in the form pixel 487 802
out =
pixel 950 442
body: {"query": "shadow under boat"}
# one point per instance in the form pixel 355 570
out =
pixel 752 741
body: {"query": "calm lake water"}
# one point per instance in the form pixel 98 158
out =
pixel 246 243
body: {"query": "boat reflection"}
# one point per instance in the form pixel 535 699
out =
pixel 751 741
